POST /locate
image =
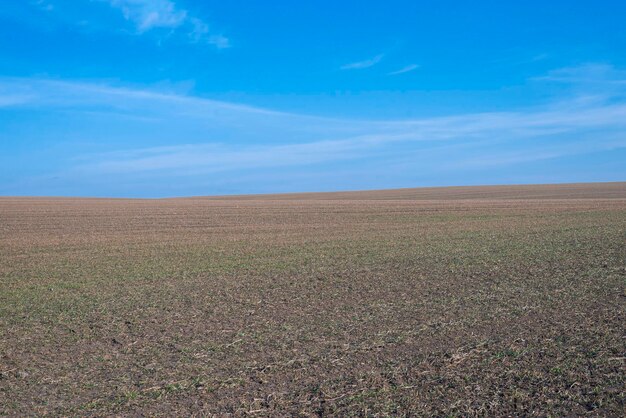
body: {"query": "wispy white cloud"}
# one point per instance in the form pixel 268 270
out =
pixel 211 158
pixel 547 152
pixel 515 60
pixel 219 41
pixel 12 100
pixel 76 95
pixel 590 73
pixel 536 130
pixel 220 137
pixel 475 129
pixel 43 5
pixel 200 33
pixel 406 69
pixel 165 14
pixel 363 64
pixel 150 14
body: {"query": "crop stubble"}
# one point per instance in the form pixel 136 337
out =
pixel 451 301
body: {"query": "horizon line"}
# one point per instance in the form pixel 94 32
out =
pixel 351 191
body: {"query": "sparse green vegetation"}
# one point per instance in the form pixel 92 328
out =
pixel 357 306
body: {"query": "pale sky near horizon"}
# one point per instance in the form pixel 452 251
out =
pixel 154 98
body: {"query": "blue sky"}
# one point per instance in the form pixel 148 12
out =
pixel 152 98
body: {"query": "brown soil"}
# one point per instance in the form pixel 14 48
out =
pixel 498 301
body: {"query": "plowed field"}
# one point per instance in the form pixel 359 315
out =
pixel 417 302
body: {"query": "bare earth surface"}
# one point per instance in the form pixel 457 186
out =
pixel 446 301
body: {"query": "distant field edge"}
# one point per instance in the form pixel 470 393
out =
pixel 599 190
pixel 603 190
